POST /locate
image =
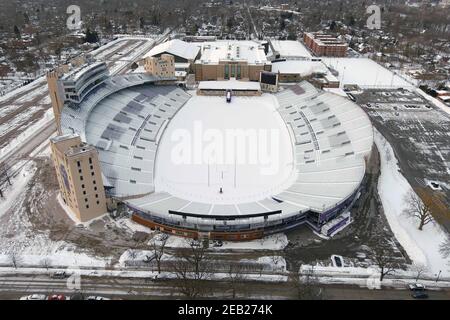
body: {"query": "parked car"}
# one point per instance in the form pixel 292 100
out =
pixel 416 286
pixel 419 294
pixel 351 97
pixel 57 297
pixel 97 298
pixel 34 297
pixel 228 96
pixel 60 275
pixel 217 243
pixel 161 237
pixel 418 291
pixel 195 243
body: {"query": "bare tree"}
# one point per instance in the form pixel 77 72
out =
pixel 15 258
pixel 419 269
pixel 235 278
pixel 305 284
pixel 444 248
pixel 192 269
pixel 418 209
pixel 46 262
pixel 158 252
pixel 132 253
pixel 384 261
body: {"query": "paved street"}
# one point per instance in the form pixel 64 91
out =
pixel 15 286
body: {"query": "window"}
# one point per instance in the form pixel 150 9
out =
pixel 87 206
pixel 92 173
pixel 79 170
pixel 95 188
pixel 82 186
pixel 96 195
pixel 98 202
pixel 78 163
pixel 81 178
pixel 238 73
pixel 90 160
pixel 85 199
pixel 84 192
pixel 227 72
pixel 92 167
pixel 233 70
pixel 94 182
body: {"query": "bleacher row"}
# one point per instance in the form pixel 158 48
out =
pixel 125 126
pixel 330 134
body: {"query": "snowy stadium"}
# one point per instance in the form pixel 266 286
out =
pixel 323 142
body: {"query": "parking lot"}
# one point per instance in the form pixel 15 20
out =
pixel 420 136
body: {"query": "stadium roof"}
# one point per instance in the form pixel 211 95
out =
pixel 176 47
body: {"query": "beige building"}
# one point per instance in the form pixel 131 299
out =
pixel 222 60
pixel 79 176
pixel 69 87
pixel 162 66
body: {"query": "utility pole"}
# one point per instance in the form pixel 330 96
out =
pixel 439 274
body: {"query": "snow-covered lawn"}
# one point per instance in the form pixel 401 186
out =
pixel 274 242
pixel 19 182
pixel 364 72
pixel 27 134
pixel 211 144
pixel 421 246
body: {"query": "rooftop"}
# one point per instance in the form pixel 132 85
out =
pixel 231 84
pixel 176 47
pixel 303 68
pixel 249 51
pixel 290 48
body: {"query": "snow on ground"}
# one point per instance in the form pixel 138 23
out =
pixel 272 263
pixel 211 144
pixel 273 242
pixel 364 72
pixel 19 182
pixel 31 247
pixel 38 82
pixel 434 101
pixel 56 256
pixel 127 223
pixel 29 132
pixel 132 53
pixel 421 246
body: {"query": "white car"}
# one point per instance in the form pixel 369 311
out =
pixel 97 298
pixel 34 297
pixel 416 287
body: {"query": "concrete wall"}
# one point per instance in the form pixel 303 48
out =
pixel 79 177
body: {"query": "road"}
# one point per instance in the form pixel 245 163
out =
pixel 15 286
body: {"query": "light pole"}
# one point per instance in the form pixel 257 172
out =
pixel 439 274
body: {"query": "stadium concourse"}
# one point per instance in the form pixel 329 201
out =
pixel 322 141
